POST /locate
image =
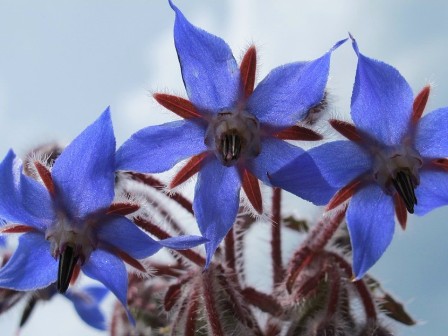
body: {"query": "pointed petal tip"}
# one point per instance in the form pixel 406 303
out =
pixel 105 116
pixel 354 278
pixel 354 44
pixel 338 44
pixel 183 242
pixel 172 5
pixel 9 158
pixel 175 9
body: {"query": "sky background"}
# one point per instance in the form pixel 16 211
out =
pixel 62 64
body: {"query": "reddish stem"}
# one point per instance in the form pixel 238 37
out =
pixel 311 284
pixel 210 304
pixel 363 291
pixel 172 295
pixel 272 328
pixel 179 316
pixel 161 234
pixel 263 301
pixel 156 184
pixel 192 313
pixel 299 262
pixel 240 312
pixel 322 232
pixel 318 237
pixel 334 292
pixel 117 313
pixel 276 241
pixel 229 242
pixel 164 213
pixel 165 270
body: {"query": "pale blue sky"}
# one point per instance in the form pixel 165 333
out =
pixel 62 64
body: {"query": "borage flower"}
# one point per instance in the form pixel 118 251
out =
pixel 233 133
pixel 393 163
pixel 86 301
pixel 69 221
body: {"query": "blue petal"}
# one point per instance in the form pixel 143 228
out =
pixel 431 139
pixel 100 266
pixel 432 192
pixel 87 305
pixel 31 266
pixel 381 100
pixel 22 199
pixel 340 162
pixel 209 70
pixel 84 174
pixel 370 220
pixel 2 241
pixel 302 178
pixel 156 149
pixel 98 293
pixel 125 235
pixel 287 93
pixel 216 202
pixel 275 154
pixel 183 242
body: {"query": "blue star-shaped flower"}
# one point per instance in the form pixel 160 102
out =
pixel 393 163
pixel 70 218
pixel 234 133
pixel 86 301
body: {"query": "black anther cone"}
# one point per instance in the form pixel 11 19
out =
pixel 405 188
pixel 67 263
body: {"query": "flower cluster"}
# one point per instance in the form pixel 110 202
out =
pixel 91 208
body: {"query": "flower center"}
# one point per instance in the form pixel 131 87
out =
pixel 232 135
pixel 70 243
pixel 397 170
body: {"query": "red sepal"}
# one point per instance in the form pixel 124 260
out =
pixel 122 209
pixel 440 163
pixel 182 107
pixel 346 129
pixel 248 70
pixel 191 168
pixel 343 194
pixel 299 133
pixel 400 211
pixel 16 228
pixel 172 295
pixel 420 103
pixel 251 188
pixel 45 175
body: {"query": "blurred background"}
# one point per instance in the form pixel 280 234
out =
pixel 62 63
